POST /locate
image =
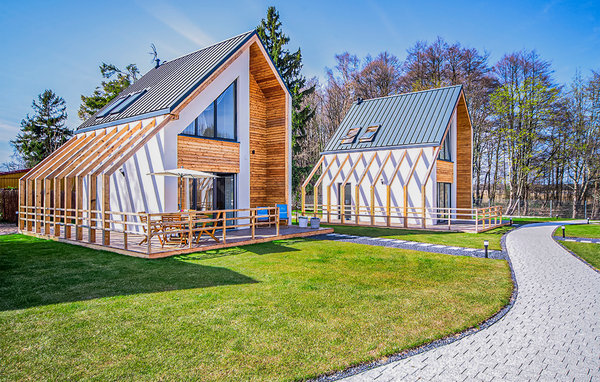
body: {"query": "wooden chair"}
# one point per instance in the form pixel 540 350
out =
pixel 205 227
pixel 153 229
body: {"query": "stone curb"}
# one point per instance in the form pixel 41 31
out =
pixel 557 240
pixel 353 370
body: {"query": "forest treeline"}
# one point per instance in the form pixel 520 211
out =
pixel 533 138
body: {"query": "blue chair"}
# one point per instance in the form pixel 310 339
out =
pixel 262 215
pixel 283 213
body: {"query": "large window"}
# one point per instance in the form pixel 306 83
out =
pixel 219 119
pixel 445 152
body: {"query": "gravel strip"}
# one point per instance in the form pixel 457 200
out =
pixel 425 247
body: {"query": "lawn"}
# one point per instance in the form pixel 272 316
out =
pixel 588 252
pixel 283 310
pixel 580 230
pixel 459 239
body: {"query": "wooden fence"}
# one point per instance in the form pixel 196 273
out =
pixel 9 203
pixel 181 228
pixel 466 219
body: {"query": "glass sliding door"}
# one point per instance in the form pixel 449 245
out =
pixel 224 194
pixel 444 192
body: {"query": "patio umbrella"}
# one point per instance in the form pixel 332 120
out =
pixel 182 173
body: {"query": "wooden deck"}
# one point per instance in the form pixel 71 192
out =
pixel 235 237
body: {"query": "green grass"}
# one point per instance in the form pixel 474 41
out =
pixel 459 239
pixel 588 252
pixel 275 311
pixel 581 230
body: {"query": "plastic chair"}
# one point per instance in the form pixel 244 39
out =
pixel 283 214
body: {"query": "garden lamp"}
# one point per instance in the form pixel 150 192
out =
pixel 486 244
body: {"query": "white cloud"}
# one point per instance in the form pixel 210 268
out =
pixel 8 130
pixel 177 21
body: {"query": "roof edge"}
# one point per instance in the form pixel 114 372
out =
pixel 380 148
pixel 134 118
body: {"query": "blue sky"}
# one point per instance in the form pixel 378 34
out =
pixel 60 44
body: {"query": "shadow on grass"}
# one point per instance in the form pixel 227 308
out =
pixel 36 272
pixel 258 249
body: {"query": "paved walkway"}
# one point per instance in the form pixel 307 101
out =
pixel 552 333
pixel 426 247
pixel 579 239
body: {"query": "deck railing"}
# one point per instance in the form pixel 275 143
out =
pixel 181 228
pixel 481 219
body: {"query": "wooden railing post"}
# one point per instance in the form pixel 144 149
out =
pixel 388 210
pixel 476 220
pixel 372 206
pixel 125 232
pixel 253 220
pixel 303 202
pixel 149 234
pixel 423 201
pixel 224 218
pixel 190 230
pixel 405 196
pixel 357 204
pixel 277 220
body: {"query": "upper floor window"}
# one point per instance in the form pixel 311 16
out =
pixel 445 151
pixel 219 119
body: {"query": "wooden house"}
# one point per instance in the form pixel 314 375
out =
pixel 402 160
pixel 223 110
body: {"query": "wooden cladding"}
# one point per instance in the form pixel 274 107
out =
pixel 208 155
pixel 464 155
pixel 269 140
pixel 444 171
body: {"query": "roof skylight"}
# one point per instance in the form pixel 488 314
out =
pixel 369 135
pixel 350 135
pixel 121 104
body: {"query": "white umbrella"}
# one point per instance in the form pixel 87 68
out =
pixel 182 173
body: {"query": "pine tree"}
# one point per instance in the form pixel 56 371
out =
pixel 45 131
pixel 108 89
pixel 289 65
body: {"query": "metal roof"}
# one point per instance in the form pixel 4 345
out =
pixel 410 119
pixel 169 84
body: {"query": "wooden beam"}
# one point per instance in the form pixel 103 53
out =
pixel 342 200
pixel 65 155
pixel 105 209
pixel 389 189
pixel 410 174
pixel 373 186
pixel 329 186
pixel 85 168
pixel 357 187
pixel 150 131
pixel 308 179
pixel 318 183
pixel 46 162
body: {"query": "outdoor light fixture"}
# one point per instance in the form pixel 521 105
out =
pixel 588 220
pixel 563 229
pixel 510 221
pixel 486 244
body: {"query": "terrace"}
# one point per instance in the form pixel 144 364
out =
pixel 156 235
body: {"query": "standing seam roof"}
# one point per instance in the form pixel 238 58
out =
pixel 169 84
pixel 406 119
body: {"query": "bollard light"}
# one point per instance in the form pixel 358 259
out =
pixel 588 220
pixel 563 229
pixel 486 244
pixel 511 221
